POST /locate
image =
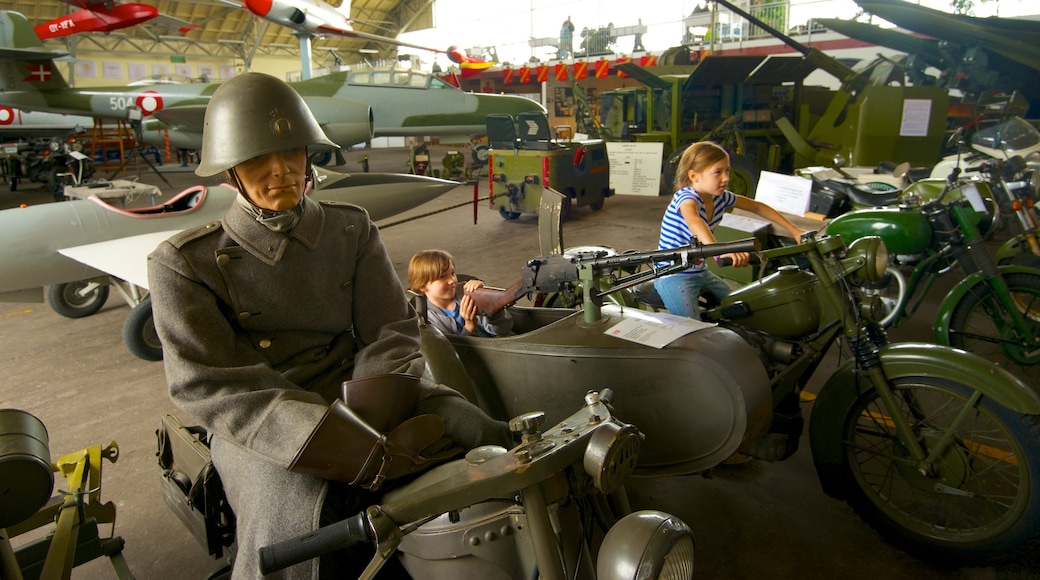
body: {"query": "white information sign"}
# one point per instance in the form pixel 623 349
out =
pixel 635 168
pixel 656 329
pixel 915 118
pixel 784 193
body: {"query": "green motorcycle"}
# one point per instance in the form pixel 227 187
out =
pixel 994 311
pixel 933 446
pixel 917 438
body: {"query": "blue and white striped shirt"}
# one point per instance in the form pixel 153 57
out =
pixel 675 232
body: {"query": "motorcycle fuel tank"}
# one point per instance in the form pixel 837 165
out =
pixel 904 230
pixel 782 304
pixel 696 399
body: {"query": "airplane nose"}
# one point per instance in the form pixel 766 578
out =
pixel 258 7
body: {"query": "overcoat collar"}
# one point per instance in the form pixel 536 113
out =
pixel 270 246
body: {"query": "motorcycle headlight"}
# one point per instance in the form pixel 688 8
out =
pixel 647 544
pixel 53 146
pixel 612 455
pixel 872 251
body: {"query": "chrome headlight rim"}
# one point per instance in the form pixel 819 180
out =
pixel 873 253
pixel 647 544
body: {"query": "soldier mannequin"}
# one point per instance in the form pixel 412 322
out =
pixel 263 315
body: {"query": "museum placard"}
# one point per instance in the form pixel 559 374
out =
pixel 635 168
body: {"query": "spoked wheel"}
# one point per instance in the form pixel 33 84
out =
pixel 980 324
pixel 139 333
pixel 977 503
pixel 77 299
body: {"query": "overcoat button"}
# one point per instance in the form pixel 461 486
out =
pixel 265 343
pixel 223 260
pixel 244 316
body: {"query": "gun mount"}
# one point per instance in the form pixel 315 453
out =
pixel 550 273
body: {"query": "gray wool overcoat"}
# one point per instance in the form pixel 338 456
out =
pixel 259 330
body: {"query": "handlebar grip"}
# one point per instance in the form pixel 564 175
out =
pixel 752 259
pixel 341 534
pixel 748 245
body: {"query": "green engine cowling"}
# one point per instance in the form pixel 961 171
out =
pixel 783 304
pixel 904 230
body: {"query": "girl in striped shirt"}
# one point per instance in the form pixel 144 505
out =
pixel 694 212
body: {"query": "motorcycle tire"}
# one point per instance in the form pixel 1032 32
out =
pixel 68 300
pixel 982 504
pixel 139 333
pixel 981 325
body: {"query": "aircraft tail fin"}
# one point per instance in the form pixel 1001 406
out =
pixel 24 62
pixel 344 9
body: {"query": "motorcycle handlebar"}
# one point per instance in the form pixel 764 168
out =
pixel 342 534
pixel 752 259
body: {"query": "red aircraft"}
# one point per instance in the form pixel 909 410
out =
pixel 105 16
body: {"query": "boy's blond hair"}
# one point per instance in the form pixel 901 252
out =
pixel 427 266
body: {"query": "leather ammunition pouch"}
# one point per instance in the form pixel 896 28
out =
pixel 374 438
pixel 191 485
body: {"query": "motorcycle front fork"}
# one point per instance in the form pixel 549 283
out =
pixel 924 459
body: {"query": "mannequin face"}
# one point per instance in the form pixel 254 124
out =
pixel 275 181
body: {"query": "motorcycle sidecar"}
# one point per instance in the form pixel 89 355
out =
pixel 697 400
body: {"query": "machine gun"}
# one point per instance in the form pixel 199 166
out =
pixel 549 273
pixel 851 80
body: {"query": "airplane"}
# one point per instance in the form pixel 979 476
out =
pixel 350 106
pixel 18 124
pixel 106 16
pixel 1002 52
pixel 311 18
pixel 82 246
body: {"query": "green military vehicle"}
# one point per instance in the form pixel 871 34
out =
pixel 525 159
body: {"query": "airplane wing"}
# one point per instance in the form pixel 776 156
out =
pixel 188 116
pixel 1017 40
pixel 124 258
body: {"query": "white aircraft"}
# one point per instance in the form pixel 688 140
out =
pixel 77 249
pixel 317 18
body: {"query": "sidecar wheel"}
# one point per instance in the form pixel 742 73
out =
pixel 980 324
pixel 980 504
pixel 70 301
pixel 139 333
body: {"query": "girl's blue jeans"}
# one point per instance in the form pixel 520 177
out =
pixel 681 291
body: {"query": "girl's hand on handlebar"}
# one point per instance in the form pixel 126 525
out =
pixel 738 259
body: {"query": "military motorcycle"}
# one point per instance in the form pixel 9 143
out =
pixel 934 447
pixel 994 311
pixel 519 513
pixel 526 512
pixel 68 165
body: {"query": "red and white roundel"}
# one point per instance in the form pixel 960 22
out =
pixel 6 115
pixel 149 102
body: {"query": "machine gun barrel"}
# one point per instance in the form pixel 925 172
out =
pixel 549 273
pixel 846 75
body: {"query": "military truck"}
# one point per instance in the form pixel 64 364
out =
pixel 525 158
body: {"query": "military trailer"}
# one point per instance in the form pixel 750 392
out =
pixel 525 159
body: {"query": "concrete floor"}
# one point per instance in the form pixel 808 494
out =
pixel 755 520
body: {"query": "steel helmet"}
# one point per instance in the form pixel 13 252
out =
pixel 251 115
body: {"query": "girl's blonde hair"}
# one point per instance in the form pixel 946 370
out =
pixel 427 266
pixel 697 158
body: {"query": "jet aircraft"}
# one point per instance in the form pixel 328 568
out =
pixel 316 18
pixel 88 244
pixel 106 16
pixel 978 53
pixel 352 107
pixel 18 124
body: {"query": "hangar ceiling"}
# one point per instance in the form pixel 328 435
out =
pixel 226 29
